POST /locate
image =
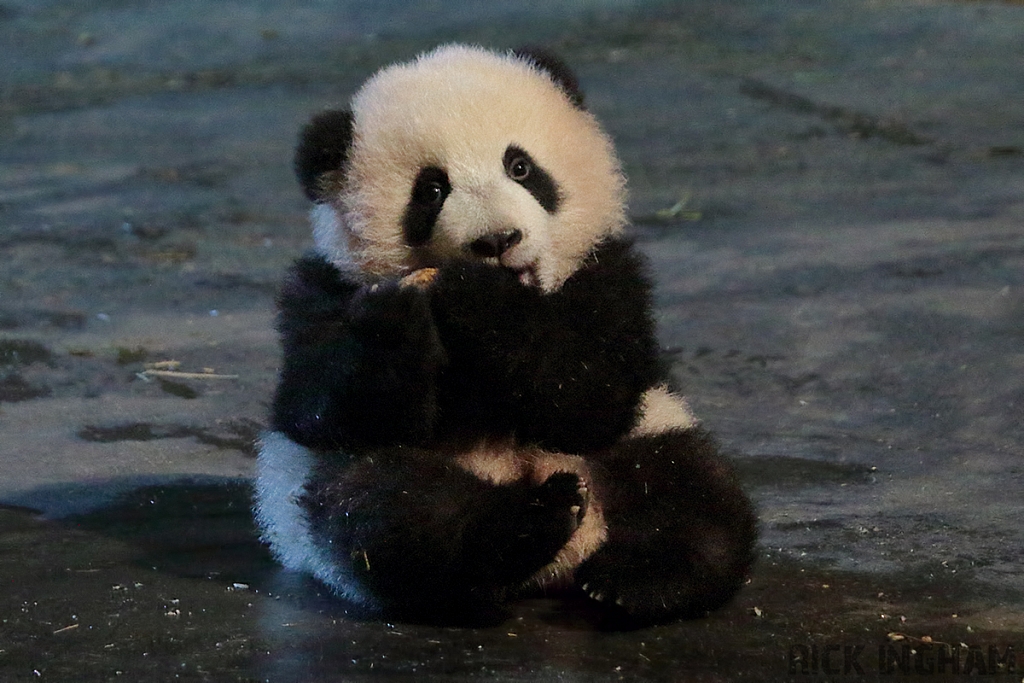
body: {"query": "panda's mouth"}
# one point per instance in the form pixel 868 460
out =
pixel 527 274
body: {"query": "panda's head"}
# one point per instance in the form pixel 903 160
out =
pixel 463 153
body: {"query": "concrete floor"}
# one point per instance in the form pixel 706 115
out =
pixel 831 196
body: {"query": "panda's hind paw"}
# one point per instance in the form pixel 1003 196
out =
pixel 632 600
pixel 564 496
pixel 550 514
pixel 528 525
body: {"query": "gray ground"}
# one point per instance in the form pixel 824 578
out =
pixel 831 195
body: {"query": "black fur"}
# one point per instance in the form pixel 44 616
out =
pixel 360 365
pixel 429 191
pixel 433 539
pixel 477 355
pixel 383 380
pixel 431 536
pixel 565 370
pixel 558 70
pixel 323 147
pixel 681 531
pixel 536 180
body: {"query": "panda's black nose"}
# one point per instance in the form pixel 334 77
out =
pixel 496 243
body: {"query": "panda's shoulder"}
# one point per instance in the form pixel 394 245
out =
pixel 615 265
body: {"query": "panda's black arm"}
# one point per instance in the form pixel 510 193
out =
pixel 360 363
pixel 566 370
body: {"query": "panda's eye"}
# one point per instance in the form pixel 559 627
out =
pixel 519 169
pixel 523 169
pixel 428 194
pixel 429 191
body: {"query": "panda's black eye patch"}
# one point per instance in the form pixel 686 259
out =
pixel 520 167
pixel 429 191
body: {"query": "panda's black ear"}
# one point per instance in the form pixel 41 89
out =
pixel 559 71
pixel 323 147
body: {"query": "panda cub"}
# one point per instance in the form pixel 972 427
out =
pixel 471 402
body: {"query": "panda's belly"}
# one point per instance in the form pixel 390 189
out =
pixel 503 464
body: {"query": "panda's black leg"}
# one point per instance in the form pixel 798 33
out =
pixel 417 533
pixel 681 531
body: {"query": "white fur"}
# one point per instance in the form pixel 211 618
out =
pixel 283 468
pixel 660 411
pixel 329 238
pixel 460 108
